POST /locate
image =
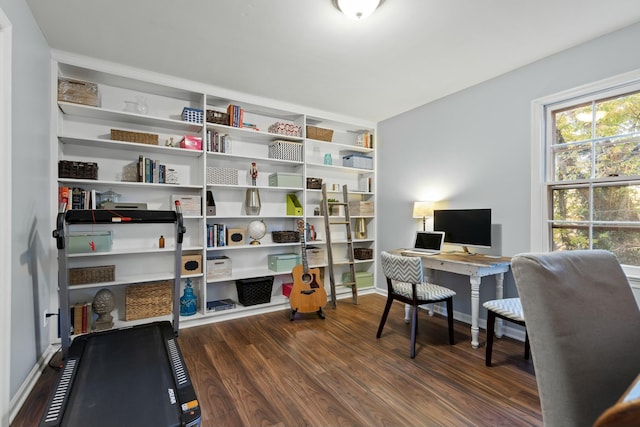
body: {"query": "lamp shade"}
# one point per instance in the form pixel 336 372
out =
pixel 422 209
pixel 357 9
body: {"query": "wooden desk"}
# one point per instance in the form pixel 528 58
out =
pixel 474 266
pixel 626 411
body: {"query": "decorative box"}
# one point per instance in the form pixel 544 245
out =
pixel 319 133
pixel 226 176
pixel 78 92
pixel 357 161
pixel 191 264
pixel 283 262
pixel 191 205
pixel 363 279
pixel 236 236
pixel 193 115
pixel 361 208
pixel 218 267
pixel 254 291
pixel 294 207
pixel 285 179
pixel 285 150
pixel 283 128
pixel 91 241
pixel 315 256
pixel 191 142
pixel 148 300
pixel 286 289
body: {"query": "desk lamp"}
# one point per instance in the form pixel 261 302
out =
pixel 423 210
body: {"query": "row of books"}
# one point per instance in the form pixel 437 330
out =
pixel 218 142
pixel 216 235
pixel 75 198
pixel 236 115
pixel 82 318
pixel 151 171
pixel 365 140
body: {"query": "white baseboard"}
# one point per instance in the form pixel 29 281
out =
pixel 29 383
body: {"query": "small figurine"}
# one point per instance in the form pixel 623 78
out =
pixel 254 173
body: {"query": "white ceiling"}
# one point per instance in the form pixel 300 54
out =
pixel 408 53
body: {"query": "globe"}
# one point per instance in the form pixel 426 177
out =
pixel 256 230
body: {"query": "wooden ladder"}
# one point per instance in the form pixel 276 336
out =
pixel 327 228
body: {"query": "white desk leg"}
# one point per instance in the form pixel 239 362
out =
pixel 475 310
pixel 407 313
pixel 499 295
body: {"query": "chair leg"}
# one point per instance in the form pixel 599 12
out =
pixel 527 349
pixel 414 330
pixel 450 319
pixel 491 322
pixel 387 307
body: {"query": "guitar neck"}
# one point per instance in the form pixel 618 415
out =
pixel 303 245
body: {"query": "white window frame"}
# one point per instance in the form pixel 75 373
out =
pixel 540 157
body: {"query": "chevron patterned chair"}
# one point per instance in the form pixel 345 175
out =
pixel 508 309
pixel 405 283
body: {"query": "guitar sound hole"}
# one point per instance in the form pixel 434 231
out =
pixel 306 277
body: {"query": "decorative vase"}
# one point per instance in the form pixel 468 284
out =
pixel 361 228
pixel 188 301
pixel 252 203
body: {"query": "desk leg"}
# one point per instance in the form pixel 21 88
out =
pixel 499 295
pixel 475 310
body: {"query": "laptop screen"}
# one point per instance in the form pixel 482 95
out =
pixel 431 240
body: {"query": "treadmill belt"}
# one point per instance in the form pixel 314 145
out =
pixel 124 378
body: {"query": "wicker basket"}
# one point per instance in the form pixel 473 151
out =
pixel 285 236
pixel 362 253
pixel 254 291
pixel 138 137
pixel 319 133
pixel 103 273
pixel 148 300
pixel 217 117
pixel 314 183
pixel 77 170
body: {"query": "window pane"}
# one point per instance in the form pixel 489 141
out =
pixel 618 116
pixel 570 237
pixel 624 242
pixel 618 157
pixel 574 124
pixel 616 203
pixel 570 204
pixel 572 162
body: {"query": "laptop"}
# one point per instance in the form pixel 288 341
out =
pixel 428 242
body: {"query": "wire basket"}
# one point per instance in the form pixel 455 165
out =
pixel 254 291
pixel 77 170
pixel 362 253
pixel 285 236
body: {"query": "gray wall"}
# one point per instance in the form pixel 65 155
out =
pixel 474 148
pixel 30 201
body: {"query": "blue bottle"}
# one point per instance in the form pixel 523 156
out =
pixel 188 301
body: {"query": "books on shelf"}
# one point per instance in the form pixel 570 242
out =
pixel 217 142
pixel 75 198
pixel 236 115
pixel 216 235
pixel 81 318
pixel 150 170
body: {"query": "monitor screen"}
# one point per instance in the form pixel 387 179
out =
pixel 465 227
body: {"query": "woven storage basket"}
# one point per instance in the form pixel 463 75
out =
pixel 362 253
pixel 319 133
pixel 285 236
pixel 148 300
pixel 103 273
pixel 314 183
pixel 254 291
pixel 139 137
pixel 217 117
pixel 77 170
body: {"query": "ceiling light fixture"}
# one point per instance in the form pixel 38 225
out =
pixel 357 9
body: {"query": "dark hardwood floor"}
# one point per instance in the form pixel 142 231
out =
pixel 268 371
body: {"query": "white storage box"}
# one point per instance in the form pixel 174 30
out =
pixel 285 150
pixel 284 179
pixel 357 161
pixel 227 176
pixel 218 267
pixel 361 208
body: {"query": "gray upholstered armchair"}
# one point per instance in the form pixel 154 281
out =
pixel 584 330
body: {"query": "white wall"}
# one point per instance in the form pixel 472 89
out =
pixel 473 148
pixel 31 223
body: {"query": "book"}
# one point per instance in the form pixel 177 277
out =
pixel 221 304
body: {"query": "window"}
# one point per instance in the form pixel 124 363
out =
pixel 587 171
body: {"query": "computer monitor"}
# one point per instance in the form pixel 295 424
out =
pixel 464 227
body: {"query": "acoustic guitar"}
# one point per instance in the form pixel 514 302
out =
pixel 307 294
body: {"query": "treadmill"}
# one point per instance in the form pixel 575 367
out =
pixel 132 376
